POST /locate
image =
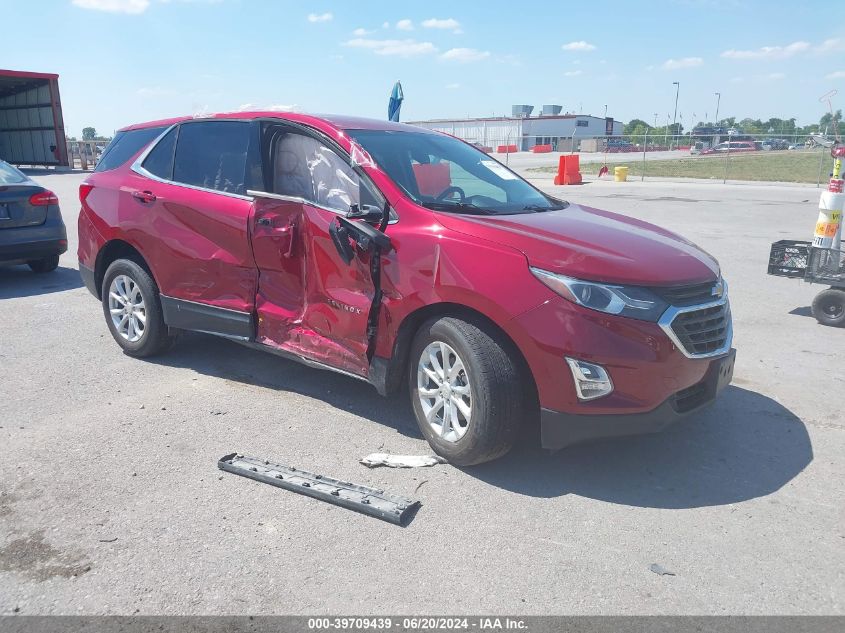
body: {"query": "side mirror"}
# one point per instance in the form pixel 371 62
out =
pixel 346 232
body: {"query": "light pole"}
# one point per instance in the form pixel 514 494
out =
pixel 677 85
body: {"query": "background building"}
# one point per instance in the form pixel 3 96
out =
pixel 549 127
pixel 32 130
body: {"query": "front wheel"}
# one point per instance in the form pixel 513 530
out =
pixel 466 391
pixel 133 311
pixel 829 307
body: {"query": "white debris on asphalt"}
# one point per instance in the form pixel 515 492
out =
pixel 374 460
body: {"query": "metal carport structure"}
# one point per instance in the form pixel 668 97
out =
pixel 32 130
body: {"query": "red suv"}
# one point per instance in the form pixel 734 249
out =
pixel 408 259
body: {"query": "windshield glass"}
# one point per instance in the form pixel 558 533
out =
pixel 445 174
pixel 9 175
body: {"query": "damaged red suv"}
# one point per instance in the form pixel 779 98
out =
pixel 408 259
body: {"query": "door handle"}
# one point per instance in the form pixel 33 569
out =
pixel 144 196
pixel 286 231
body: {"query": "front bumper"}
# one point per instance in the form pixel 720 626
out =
pixel 559 429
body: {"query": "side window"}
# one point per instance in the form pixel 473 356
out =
pixel 302 167
pixel 159 161
pixel 125 145
pixel 213 155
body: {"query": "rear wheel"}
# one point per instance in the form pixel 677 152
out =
pixel 829 307
pixel 465 390
pixel 133 311
pixel 45 265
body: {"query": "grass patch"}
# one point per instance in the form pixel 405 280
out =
pixel 774 166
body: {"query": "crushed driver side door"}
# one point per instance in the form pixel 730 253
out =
pixel 311 301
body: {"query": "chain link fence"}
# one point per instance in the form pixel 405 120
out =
pixel 759 157
pixel 770 158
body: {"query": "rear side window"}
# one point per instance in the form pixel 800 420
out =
pixel 125 145
pixel 159 161
pixel 213 155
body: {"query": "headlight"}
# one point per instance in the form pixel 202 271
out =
pixel 629 301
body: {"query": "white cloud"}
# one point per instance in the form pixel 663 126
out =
pixel 453 86
pixel 320 17
pixel 114 6
pixel 405 25
pixel 399 48
pixel 464 55
pixel 573 73
pixel 775 76
pixel 580 45
pixel 830 46
pixel 768 52
pixel 385 25
pixel 839 74
pixel 684 62
pixel 447 24
pixel 362 32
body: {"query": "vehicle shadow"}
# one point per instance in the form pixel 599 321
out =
pixel 745 446
pixel 214 356
pixel 806 311
pixel 20 281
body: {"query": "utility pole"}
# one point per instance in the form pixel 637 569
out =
pixel 718 99
pixel 677 85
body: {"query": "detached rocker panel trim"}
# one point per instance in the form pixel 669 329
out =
pixel 200 317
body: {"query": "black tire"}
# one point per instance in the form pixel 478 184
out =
pixel 498 393
pixel 155 339
pixel 45 265
pixel 829 307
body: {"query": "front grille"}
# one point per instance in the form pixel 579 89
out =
pixel 703 331
pixel 686 295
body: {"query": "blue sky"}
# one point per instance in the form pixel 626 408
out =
pixel 124 61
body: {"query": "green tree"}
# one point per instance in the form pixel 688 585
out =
pixel 89 133
pixel 636 124
pixel 827 120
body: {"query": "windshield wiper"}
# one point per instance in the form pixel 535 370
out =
pixel 540 208
pixel 466 207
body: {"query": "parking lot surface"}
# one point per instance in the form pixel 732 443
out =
pixel 111 501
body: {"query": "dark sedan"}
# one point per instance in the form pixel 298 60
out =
pixel 31 228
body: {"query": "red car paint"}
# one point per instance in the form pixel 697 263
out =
pixel 210 249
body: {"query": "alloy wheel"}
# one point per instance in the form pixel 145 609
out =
pixel 127 308
pixel 444 391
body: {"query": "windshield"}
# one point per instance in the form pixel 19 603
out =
pixel 9 175
pixel 445 174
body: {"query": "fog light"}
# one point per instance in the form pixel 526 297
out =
pixel 591 381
